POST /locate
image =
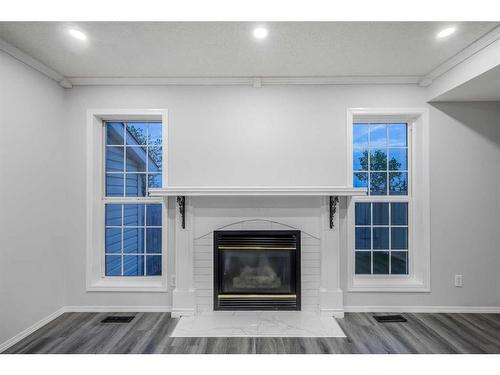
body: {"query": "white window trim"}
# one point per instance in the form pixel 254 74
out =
pixel 95 276
pixel 418 278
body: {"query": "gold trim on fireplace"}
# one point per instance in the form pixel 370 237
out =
pixel 255 248
pixel 227 296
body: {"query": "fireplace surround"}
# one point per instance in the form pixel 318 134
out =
pixel 192 267
pixel 257 270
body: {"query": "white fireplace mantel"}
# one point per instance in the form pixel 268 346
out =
pixel 258 191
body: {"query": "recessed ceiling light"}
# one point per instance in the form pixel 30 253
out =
pixel 260 33
pixel 77 34
pixel 446 32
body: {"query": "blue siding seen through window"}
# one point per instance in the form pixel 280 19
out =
pixel 133 231
pixel 133 235
pixel 133 158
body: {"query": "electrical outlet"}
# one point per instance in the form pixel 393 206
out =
pixel 172 280
pixel 459 281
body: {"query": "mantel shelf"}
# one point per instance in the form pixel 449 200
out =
pixel 258 191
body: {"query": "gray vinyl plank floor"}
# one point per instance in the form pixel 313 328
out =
pixel 150 333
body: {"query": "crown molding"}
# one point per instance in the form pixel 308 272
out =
pixel 480 44
pixel 244 81
pixel 35 64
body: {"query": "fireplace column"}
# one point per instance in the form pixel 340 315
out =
pixel 183 295
pixel 331 298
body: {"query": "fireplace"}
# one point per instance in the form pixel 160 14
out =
pixel 257 270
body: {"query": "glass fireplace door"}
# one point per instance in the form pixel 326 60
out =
pixel 257 271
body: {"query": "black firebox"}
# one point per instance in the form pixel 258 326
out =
pixel 257 270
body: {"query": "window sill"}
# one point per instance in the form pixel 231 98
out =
pixel 128 284
pixel 402 284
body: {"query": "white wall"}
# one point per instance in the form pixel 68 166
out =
pixel 293 133
pixel 204 107
pixel 32 197
pixel 463 237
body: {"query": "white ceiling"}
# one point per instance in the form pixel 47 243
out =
pixel 228 49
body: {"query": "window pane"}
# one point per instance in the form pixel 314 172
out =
pixel 363 238
pixel 378 183
pixel 136 159
pixel 360 180
pixel 378 160
pixel 360 135
pixel 378 136
pixel 380 213
pixel 155 133
pixel 136 185
pixel 114 185
pixel 153 240
pixel 134 215
pixel 397 135
pixel 114 159
pixel 113 214
pixel 113 265
pixel 133 162
pixel 397 159
pixel 381 227
pixel 399 262
pixel 360 160
pixel 133 240
pixel 114 133
pixel 399 238
pixel 113 240
pixel 362 214
pixel 380 262
pixel 154 181
pixel 136 133
pixel 133 265
pixel 399 213
pixel 381 238
pixel 153 215
pixel 155 159
pixel 398 183
pixel 363 262
pixel 153 265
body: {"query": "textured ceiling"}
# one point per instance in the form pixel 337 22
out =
pixel 227 49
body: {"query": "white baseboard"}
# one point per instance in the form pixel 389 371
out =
pixel 28 331
pixel 118 309
pixel 425 309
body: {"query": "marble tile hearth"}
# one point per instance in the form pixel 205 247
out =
pixel 257 324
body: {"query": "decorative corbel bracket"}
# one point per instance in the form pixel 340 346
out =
pixel 334 200
pixel 181 201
